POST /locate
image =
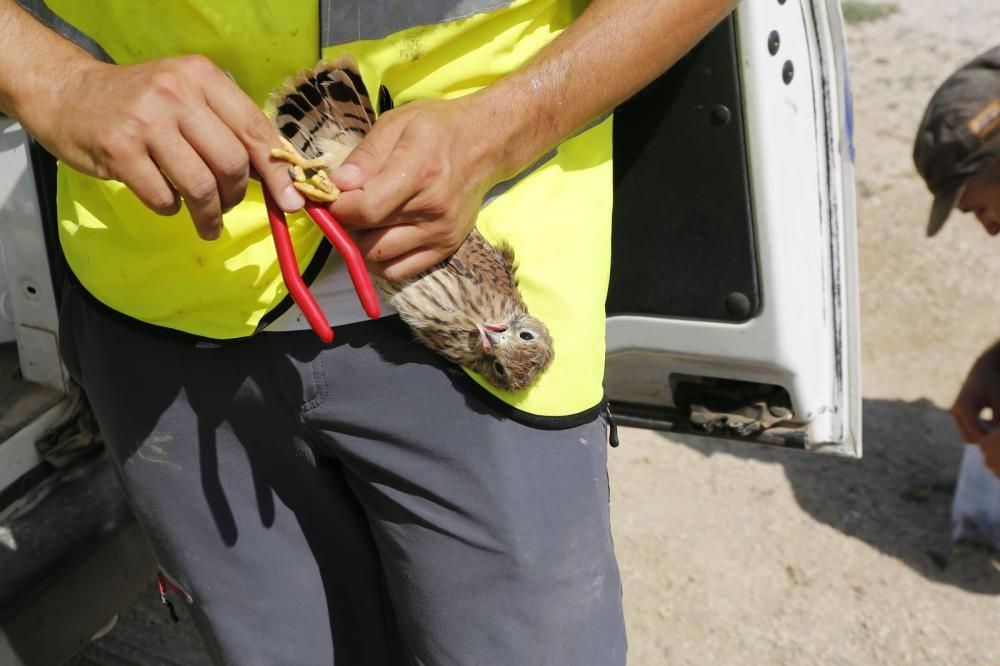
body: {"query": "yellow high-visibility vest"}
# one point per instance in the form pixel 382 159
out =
pixel 557 217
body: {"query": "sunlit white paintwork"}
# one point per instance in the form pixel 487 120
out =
pixel 805 338
pixel 31 299
pixel 30 296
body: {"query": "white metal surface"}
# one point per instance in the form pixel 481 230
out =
pixel 18 454
pixel 31 301
pixel 805 338
pixel 6 318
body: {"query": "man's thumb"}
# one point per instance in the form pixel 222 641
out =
pixel 368 157
pixel 348 176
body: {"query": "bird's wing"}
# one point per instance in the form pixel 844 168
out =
pixel 324 112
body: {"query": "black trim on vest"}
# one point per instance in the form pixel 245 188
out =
pixel 49 18
pixel 385 102
pixel 466 384
pixel 535 420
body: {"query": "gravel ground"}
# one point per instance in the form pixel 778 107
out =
pixel 803 559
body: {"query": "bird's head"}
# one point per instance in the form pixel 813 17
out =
pixel 514 353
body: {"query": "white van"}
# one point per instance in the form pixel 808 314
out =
pixel 732 310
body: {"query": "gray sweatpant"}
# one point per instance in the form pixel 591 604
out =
pixel 357 504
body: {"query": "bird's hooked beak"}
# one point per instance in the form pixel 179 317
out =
pixel 489 335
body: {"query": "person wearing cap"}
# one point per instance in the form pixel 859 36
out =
pixel 957 152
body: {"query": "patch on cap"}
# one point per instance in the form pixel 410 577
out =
pixel 986 121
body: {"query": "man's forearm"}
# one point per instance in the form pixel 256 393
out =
pixel 34 62
pixel 614 49
pixel 169 129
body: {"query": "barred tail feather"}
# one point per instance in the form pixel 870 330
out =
pixel 324 111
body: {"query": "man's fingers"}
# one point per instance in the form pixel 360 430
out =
pixel 411 264
pixel 273 175
pixel 381 245
pixel 990 447
pixel 370 156
pixel 222 152
pixel 994 403
pixel 147 182
pixel 992 461
pixel 967 421
pixel 195 182
pixel 970 431
pixel 404 177
pixel 254 130
pixel 379 203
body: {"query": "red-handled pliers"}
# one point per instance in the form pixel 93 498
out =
pixel 290 266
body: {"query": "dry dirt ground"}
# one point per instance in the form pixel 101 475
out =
pixel 735 554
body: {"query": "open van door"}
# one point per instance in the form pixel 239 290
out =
pixel 733 304
pixel 71 554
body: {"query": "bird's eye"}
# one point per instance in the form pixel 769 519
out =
pixel 498 366
pixel 527 335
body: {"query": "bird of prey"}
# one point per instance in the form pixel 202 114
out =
pixel 466 308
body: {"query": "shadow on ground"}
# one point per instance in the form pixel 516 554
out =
pixel 897 498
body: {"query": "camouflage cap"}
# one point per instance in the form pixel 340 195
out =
pixel 960 133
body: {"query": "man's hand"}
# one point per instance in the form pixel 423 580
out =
pixel 171 130
pixel 411 190
pixel 990 446
pixel 165 128
pixel 980 390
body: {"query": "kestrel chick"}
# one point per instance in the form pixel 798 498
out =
pixel 467 308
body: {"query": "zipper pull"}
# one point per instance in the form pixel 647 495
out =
pixel 612 425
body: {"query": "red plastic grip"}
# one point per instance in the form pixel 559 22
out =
pixel 352 257
pixel 290 270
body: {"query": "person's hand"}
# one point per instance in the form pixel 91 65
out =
pixel 990 446
pixel 980 390
pixel 171 130
pixel 412 189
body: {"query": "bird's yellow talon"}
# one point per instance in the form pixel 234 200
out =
pixel 316 186
pixel 310 191
pixel 321 180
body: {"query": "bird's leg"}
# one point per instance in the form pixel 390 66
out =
pixel 291 155
pixel 308 176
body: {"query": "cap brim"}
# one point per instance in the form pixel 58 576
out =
pixel 944 203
